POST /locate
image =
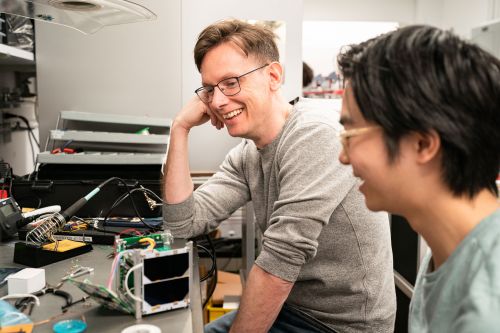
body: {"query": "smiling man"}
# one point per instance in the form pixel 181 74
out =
pixel 422 130
pixel 326 260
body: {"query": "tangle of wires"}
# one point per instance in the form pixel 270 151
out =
pixel 45 229
pixel 212 272
pixel 128 194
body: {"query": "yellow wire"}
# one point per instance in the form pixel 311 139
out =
pixel 151 242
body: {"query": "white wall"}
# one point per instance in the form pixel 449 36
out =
pixel 21 160
pixel 147 68
pixel 331 24
pixel 429 12
pixel 124 69
pixel 402 11
pixel 458 15
pixel 321 54
pixel 209 146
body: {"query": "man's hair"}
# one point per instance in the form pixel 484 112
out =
pixel 420 78
pixel 307 74
pixel 256 40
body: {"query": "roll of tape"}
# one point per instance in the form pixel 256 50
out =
pixel 142 328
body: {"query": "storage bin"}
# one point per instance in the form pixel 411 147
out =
pixel 215 312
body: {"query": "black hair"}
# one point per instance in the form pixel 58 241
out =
pixel 420 78
pixel 307 74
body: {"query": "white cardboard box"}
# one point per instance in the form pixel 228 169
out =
pixel 26 281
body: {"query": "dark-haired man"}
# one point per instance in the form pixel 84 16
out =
pixel 422 130
pixel 326 260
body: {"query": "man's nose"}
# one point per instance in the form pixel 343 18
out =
pixel 344 157
pixel 218 99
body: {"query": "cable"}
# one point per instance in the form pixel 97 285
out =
pixel 26 122
pixel 23 302
pixel 125 195
pixel 114 267
pixel 129 194
pixel 48 209
pixel 31 134
pixel 33 215
pixel 126 283
pixel 37 300
pixel 212 271
pixel 124 232
pixel 150 241
pixel 29 140
pixel 131 199
pixel 55 222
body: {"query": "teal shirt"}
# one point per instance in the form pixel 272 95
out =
pixel 463 295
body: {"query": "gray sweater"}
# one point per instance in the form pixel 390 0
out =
pixel 317 231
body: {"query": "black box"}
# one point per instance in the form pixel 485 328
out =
pixel 33 256
pixel 64 184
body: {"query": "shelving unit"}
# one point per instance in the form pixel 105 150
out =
pixel 95 157
pixel 130 145
pixel 109 137
pixel 13 56
pixel 114 119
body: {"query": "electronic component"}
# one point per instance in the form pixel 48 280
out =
pixel 162 242
pixel 147 276
pixel 10 215
pixel 165 280
pixel 37 238
pixel 26 281
pixel 104 296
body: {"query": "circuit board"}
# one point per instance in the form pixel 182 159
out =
pixel 104 296
pixel 162 242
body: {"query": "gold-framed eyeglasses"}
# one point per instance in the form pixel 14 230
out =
pixel 345 135
pixel 229 87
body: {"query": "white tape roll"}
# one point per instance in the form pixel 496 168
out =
pixel 142 328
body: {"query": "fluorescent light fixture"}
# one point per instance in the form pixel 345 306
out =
pixel 87 16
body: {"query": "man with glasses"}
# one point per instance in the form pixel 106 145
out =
pixel 422 118
pixel 326 260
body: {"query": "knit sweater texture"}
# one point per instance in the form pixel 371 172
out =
pixel 316 229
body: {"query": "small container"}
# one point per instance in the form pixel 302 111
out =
pixel 70 326
pixel 215 312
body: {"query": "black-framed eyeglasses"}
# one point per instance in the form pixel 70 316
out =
pixel 229 87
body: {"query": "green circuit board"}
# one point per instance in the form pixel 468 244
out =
pixel 104 296
pixel 162 240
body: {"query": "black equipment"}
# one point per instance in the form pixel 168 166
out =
pixel 10 217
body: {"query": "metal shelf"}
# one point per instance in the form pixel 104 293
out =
pixel 116 147
pixel 100 158
pixel 13 56
pixel 115 119
pixel 109 137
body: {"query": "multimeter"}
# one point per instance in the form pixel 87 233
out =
pixel 10 214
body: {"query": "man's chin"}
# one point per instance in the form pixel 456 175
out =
pixel 373 205
pixel 232 131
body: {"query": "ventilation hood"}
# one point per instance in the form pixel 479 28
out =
pixel 87 16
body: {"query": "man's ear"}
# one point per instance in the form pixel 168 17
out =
pixel 427 146
pixel 275 75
